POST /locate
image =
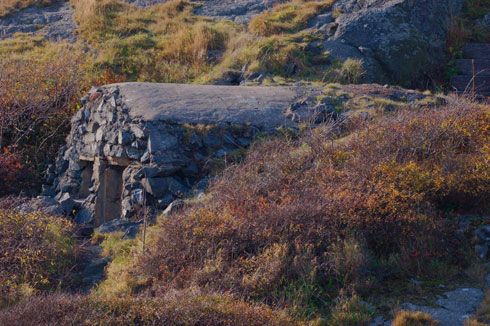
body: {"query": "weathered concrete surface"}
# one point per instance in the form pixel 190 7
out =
pixel 262 107
pixel 55 22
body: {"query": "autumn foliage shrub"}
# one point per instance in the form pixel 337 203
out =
pixel 188 309
pixel 14 175
pixel 36 253
pixel 320 210
pixel 38 95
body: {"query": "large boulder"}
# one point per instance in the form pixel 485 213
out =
pixel 402 41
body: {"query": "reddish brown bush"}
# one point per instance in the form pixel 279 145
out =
pixel 38 95
pixel 275 219
pixel 37 252
pixel 13 174
pixel 181 309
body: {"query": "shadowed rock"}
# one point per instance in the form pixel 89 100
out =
pixel 55 22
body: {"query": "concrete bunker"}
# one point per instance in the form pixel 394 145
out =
pixel 135 145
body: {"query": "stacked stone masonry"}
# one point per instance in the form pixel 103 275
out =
pixel 137 145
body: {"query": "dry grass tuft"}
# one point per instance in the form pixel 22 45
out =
pixel 290 17
pixel 411 318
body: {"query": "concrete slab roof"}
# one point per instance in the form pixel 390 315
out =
pixel 263 107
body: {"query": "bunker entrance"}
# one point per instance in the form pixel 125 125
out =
pixel 87 168
pixel 109 203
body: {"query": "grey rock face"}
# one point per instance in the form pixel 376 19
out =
pixel 482 236
pixel 44 204
pixel 158 187
pixel 84 216
pixel 454 307
pixel 55 22
pixel 239 11
pixel 173 207
pixel 67 203
pixel 119 225
pixel 400 39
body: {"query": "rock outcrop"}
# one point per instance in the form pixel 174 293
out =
pixel 400 41
pixel 55 22
pixel 239 11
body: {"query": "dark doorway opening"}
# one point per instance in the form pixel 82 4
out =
pixel 109 201
pixel 87 168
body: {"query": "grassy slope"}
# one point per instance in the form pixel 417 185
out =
pixel 168 43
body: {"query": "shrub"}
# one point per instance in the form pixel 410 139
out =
pixel 411 318
pixel 351 71
pixel 15 177
pixel 36 253
pixel 39 90
pixel 190 309
pixel 350 311
pixel 287 214
pixel 350 260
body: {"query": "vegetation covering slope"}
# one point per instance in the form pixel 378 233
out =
pixel 168 43
pixel 300 219
pixel 339 212
pixel 300 233
pixel 37 253
pixel 9 6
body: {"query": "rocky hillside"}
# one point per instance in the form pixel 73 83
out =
pixel 400 42
pixel 244 162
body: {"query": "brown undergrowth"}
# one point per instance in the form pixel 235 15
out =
pixel 300 219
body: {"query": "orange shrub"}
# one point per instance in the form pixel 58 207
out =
pixel 181 309
pixel 275 218
pixel 36 252
pixel 38 95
